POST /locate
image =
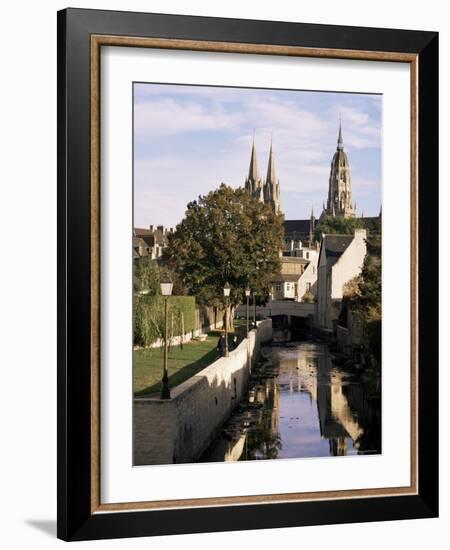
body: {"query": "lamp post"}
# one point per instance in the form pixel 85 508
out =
pixel 247 296
pixel 226 294
pixel 166 290
pixel 254 309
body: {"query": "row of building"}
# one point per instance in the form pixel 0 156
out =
pixel 311 270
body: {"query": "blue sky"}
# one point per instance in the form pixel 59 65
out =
pixel 189 139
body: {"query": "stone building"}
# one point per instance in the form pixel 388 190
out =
pixel 284 286
pixel 340 259
pixel 150 242
pixel 339 202
pixel 298 233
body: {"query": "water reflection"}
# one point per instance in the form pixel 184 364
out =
pixel 301 405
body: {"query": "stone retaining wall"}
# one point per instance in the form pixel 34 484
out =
pixel 180 429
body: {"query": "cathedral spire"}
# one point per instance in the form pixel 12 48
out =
pixel 253 172
pixel 271 176
pixel 340 143
pixel 271 185
pixel 339 201
pixel 253 182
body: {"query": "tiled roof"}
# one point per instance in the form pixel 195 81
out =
pixel 140 231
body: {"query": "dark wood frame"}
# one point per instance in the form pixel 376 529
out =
pixel 81 34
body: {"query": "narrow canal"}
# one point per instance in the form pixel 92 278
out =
pixel 301 404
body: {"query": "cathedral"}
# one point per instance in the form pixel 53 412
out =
pixel 339 201
pixel 300 233
pixel 267 191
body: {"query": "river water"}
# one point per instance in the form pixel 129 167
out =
pixel 300 404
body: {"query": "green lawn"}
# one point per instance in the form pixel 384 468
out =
pixel 183 363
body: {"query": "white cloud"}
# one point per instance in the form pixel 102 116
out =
pixel 304 141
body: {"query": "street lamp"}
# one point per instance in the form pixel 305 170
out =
pixel 226 294
pixel 254 309
pixel 247 296
pixel 166 290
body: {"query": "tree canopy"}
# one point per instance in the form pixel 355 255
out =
pixel 338 225
pixel 364 295
pixel 147 276
pixel 226 236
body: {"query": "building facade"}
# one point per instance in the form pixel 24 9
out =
pixel 150 242
pixel 340 259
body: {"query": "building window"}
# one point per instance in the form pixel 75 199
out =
pixel 308 286
pixel 288 287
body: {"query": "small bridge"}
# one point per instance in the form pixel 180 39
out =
pixel 277 308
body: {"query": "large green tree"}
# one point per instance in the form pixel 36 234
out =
pixel 226 236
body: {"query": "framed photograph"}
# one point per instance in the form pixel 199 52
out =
pixel 247 252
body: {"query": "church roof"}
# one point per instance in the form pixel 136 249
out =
pixel 298 228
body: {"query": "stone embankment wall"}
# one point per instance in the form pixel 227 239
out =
pixel 181 428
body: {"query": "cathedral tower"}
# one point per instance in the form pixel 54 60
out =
pixel 272 185
pixel 253 182
pixel 339 201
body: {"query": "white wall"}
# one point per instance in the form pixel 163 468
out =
pixel 309 276
pixel 28 211
pixel 349 264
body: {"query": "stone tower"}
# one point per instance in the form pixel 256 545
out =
pixel 272 185
pixel 339 201
pixel 253 182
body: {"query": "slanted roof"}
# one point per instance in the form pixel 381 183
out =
pixel 141 231
pixel 143 242
pixel 149 240
pixel 335 245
